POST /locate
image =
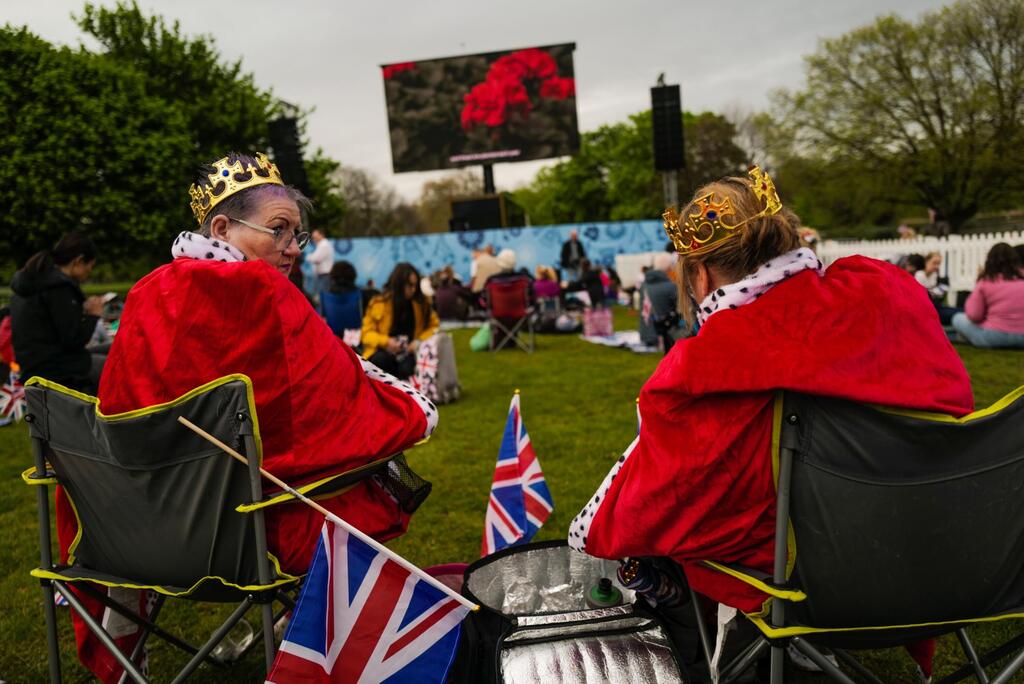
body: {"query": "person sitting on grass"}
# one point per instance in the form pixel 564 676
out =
pixel 993 315
pixel 696 483
pixel 224 305
pixel 397 321
pixel 589 282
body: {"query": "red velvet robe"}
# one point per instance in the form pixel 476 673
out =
pixel 698 483
pixel 192 321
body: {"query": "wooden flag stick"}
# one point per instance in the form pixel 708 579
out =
pixel 333 518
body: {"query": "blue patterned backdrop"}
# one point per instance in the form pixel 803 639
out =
pixel 375 257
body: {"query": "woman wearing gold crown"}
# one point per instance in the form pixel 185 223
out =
pixel 697 482
pixel 224 305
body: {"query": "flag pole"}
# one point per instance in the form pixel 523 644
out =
pixel 334 518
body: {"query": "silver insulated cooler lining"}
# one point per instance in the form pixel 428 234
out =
pixel 557 638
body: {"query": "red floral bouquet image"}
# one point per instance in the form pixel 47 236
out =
pixel 508 106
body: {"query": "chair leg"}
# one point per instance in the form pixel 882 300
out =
pixel 215 639
pixel 778 659
pixel 46 558
pixel 856 666
pixel 742 662
pixel 140 645
pixel 143 622
pixel 101 634
pixel 1006 674
pixel 50 611
pixel 821 661
pixel 972 655
pixel 268 634
pixel 702 629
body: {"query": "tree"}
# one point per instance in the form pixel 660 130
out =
pixel 328 201
pixel 372 207
pixel 85 146
pixel 935 107
pixel 110 141
pixel 613 177
pixel 435 205
pixel 223 107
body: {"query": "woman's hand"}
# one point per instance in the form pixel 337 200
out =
pixel 394 345
pixel 413 346
pixel 93 306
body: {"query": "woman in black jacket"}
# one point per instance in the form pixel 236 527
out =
pixel 51 319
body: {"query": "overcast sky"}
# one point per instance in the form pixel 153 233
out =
pixel 726 54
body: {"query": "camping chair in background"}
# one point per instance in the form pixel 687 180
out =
pixel 344 313
pixel 892 526
pixel 159 508
pixel 509 311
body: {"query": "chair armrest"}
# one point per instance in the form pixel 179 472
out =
pixel 758 580
pixel 30 478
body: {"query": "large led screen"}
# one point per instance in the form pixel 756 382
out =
pixel 500 106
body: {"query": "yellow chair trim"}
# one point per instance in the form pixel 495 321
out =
pixel 287 496
pixel 156 408
pixel 26 476
pixel 787 594
pixel 782 632
pixel 285 578
pixel 945 418
pixel 250 399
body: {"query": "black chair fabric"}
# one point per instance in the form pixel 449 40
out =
pixel 901 520
pixel 155 501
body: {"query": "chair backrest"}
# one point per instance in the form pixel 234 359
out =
pixel 155 502
pixel 905 518
pixel 344 310
pixel 508 297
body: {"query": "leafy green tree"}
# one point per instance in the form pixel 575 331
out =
pixel 934 107
pixel 328 201
pixel 223 107
pixel 613 177
pixel 435 203
pixel 85 147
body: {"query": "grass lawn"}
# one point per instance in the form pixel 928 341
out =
pixel 578 405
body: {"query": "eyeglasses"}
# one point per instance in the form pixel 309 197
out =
pixel 282 237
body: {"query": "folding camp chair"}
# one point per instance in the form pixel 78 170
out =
pixel 892 526
pixel 509 311
pixel 343 311
pixel 158 508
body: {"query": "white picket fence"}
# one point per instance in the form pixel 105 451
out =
pixel 962 255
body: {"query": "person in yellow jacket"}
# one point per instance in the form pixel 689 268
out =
pixel 396 321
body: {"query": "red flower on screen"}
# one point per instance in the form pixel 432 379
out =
pixel 489 103
pixel 538 64
pixel 391 69
pixel 504 91
pixel 558 88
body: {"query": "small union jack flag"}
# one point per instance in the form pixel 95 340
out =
pixel 12 398
pixel 520 500
pixel 362 617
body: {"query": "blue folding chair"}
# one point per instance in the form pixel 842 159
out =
pixel 344 311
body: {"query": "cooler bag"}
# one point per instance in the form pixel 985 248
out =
pixel 534 623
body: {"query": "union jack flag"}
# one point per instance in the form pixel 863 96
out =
pixel 520 500
pixel 12 399
pixel 361 617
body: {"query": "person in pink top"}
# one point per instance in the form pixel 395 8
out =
pixel 993 315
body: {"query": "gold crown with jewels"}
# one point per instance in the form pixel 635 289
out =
pixel 227 179
pixel 699 231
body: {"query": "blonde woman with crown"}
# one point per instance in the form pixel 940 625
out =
pixel 696 483
pixel 224 305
